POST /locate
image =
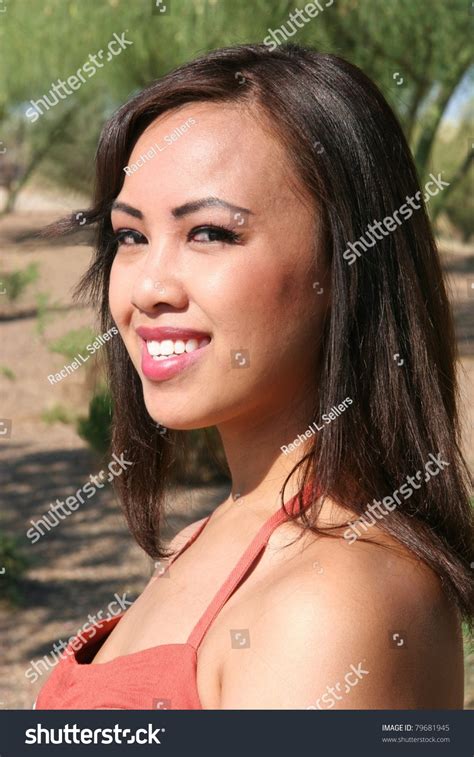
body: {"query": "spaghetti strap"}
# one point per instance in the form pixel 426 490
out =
pixel 239 571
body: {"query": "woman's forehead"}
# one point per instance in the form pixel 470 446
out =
pixel 213 149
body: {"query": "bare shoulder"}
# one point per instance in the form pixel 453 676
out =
pixel 180 539
pixel 377 576
pixel 354 626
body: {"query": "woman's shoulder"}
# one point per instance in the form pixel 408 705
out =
pixel 378 578
pixel 178 541
pixel 376 568
pixel 182 536
pixel 378 564
pixel 336 607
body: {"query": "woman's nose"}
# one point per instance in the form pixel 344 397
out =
pixel 149 292
pixel 159 279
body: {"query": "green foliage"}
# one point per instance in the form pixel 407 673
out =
pixel 454 154
pixel 7 372
pixel 468 640
pixel 43 308
pixel 460 211
pixel 57 414
pixel 16 282
pixel 14 563
pixel 425 44
pixel 95 429
pixel 73 343
pixel 79 175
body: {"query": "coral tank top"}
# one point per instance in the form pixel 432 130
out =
pixel 159 677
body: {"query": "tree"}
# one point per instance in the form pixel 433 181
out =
pixel 418 54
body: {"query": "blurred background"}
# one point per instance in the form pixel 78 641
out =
pixel 54 436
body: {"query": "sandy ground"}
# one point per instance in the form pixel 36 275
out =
pixel 79 567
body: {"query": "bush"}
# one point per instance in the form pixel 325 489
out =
pixel 96 428
pixel 17 281
pixel 57 414
pixel 44 306
pixel 73 343
pixel 7 372
pixel 201 459
pixel 14 563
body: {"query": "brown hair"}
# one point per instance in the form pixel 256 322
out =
pixel 348 149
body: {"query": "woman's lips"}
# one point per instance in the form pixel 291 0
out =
pixel 168 351
pixel 159 333
pixel 167 367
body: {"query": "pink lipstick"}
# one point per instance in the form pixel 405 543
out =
pixel 168 350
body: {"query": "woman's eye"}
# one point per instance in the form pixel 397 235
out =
pixel 209 234
pixel 128 238
pixel 201 234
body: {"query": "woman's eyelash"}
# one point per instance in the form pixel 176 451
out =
pixel 215 233
pixel 120 236
pixel 220 233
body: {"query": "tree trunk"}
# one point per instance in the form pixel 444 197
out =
pixel 36 159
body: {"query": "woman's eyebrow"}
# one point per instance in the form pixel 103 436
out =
pixel 184 210
pixel 206 202
pixel 127 209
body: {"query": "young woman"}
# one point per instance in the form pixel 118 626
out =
pixel 265 254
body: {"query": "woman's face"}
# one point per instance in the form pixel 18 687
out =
pixel 239 308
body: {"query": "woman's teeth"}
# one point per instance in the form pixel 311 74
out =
pixel 166 348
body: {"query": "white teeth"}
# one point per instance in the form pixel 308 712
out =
pixel 167 348
pixel 191 345
pixel 153 348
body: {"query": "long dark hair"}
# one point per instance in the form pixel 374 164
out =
pixel 349 151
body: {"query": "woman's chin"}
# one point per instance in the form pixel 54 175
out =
pixel 178 422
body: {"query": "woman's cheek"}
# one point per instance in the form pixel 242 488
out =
pixel 119 302
pixel 235 289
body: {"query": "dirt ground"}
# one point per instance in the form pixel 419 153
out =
pixel 79 567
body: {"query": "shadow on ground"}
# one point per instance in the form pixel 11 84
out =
pixel 78 566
